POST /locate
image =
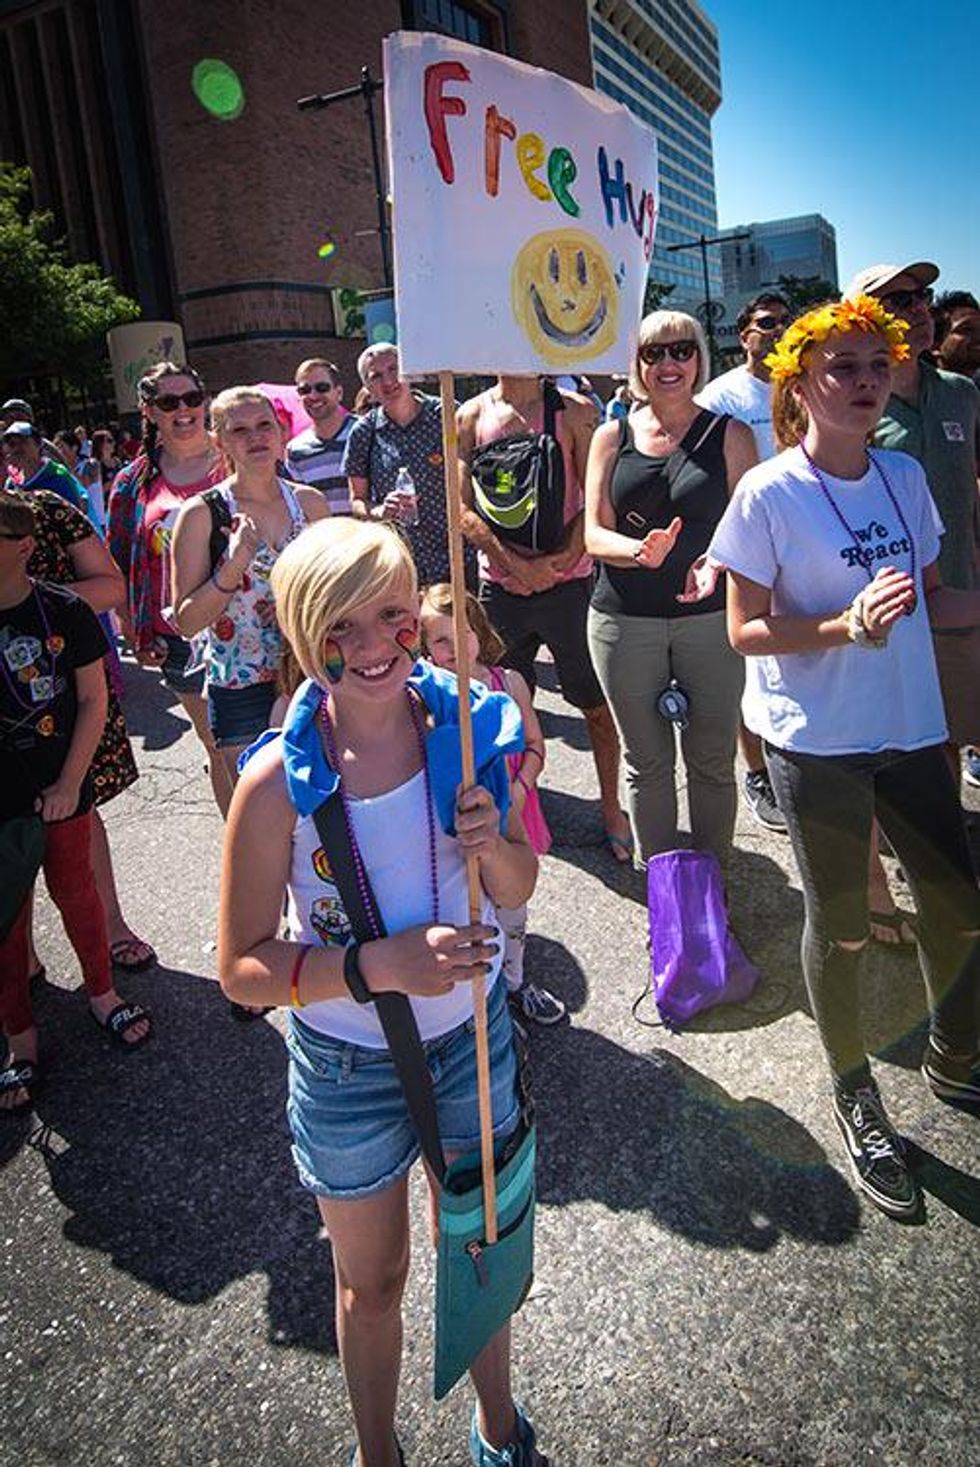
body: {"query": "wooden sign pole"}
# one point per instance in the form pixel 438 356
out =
pixel 450 454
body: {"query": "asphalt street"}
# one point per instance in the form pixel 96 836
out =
pixel 710 1289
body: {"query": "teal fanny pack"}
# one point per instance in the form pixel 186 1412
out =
pixel 479 1285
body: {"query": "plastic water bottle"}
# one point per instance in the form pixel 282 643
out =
pixel 408 510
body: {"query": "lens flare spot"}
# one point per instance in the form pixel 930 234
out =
pixel 327 249
pixel 218 89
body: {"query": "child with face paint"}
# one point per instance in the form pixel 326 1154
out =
pixel 383 728
pixel 530 1000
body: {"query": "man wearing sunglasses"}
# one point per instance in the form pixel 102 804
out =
pixel 935 416
pixel 744 393
pixel 316 455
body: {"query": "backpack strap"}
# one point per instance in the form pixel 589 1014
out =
pixel 393 1009
pixel 220 521
pixel 554 403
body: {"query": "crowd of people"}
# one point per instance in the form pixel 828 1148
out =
pixel 787 552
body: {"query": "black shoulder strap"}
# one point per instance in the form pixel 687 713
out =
pixel 220 521
pixel 394 1010
pixel 554 403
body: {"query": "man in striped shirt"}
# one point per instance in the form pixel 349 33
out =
pixel 314 456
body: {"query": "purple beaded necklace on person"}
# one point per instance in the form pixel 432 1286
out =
pixel 840 515
pixel 36 705
pixel 359 869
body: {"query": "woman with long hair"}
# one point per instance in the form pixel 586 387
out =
pixel 227 597
pixel 658 482
pixel 177 460
pixel 833 582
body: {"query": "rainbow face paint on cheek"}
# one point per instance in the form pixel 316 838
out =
pixel 333 661
pixel 409 641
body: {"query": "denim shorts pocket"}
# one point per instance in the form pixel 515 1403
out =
pixel 319 1055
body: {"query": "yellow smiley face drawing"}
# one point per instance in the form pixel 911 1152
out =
pixel 564 296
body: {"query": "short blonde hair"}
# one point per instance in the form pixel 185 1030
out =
pixel 226 402
pixel 668 326
pixel 329 570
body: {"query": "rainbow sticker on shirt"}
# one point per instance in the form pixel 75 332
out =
pixel 329 920
pixel 321 864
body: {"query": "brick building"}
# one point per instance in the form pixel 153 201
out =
pixel 217 222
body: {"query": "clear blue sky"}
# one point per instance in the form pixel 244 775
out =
pixel 864 111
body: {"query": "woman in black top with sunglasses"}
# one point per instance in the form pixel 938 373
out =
pixel 177 461
pixel 658 482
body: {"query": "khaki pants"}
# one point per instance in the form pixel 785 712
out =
pixel 634 658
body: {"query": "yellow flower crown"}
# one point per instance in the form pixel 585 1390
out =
pixel 863 314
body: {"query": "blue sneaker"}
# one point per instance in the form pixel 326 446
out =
pixel 519 1453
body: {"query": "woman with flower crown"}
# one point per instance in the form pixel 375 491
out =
pixel 833 583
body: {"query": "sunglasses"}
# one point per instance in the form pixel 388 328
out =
pixel 678 351
pixel 169 402
pixel 5 535
pixel 900 300
pixel 322 388
pixel 769 323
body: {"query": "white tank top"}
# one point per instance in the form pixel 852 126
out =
pixel 392 835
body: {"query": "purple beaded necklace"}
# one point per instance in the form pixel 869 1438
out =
pixel 35 705
pixel 359 869
pixel 854 539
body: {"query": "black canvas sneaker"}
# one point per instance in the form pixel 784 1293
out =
pixel 876 1151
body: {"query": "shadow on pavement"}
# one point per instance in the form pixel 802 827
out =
pixel 570 728
pixel 650 1133
pixel 175 1160
pixel 957 1189
pixel 149 708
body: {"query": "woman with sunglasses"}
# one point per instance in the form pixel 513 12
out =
pixel 832 550
pixel 177 461
pixel 658 482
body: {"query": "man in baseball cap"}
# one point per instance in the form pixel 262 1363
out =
pixel 15 409
pixel 20 451
pixel 935 416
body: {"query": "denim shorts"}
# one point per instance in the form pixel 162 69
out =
pixel 239 715
pixel 173 667
pixel 352 1134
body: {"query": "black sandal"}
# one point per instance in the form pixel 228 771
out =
pixel 244 1014
pixel 19 1075
pixel 119 1022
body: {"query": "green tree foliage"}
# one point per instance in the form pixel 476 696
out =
pixel 804 291
pixel 54 313
pixel 655 295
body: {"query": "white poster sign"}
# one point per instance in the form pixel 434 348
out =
pixel 524 213
pixel 134 349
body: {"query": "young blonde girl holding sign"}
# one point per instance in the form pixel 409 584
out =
pixel 363 723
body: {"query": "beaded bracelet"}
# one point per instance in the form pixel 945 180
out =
pixel 295 1002
pixel 225 590
pixel 857 631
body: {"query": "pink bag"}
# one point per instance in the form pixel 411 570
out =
pixel 695 960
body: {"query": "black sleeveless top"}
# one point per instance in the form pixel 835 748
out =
pixel 646 494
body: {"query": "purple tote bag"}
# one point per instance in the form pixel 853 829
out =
pixel 696 962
